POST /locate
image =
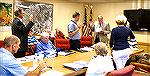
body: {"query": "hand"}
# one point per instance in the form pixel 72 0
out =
pixel 42 65
pixel 81 25
pixel 31 18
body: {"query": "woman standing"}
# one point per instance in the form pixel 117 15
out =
pixel 119 42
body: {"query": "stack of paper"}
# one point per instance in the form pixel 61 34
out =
pixel 77 65
pixel 87 49
pixel 64 53
pixel 23 60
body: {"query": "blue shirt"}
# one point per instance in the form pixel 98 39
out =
pixel 9 66
pixel 119 37
pixel 44 47
pixel 72 26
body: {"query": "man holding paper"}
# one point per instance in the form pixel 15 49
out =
pixel 101 30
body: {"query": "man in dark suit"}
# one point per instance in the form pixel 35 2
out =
pixel 21 31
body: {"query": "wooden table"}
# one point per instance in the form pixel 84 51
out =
pixel 57 63
pixel 137 52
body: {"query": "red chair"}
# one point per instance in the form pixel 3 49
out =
pixel 62 43
pixel 85 41
pixel 127 71
pixel 1 43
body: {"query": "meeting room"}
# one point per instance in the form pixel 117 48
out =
pixel 74 38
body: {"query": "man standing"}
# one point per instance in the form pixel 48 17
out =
pixel 73 31
pixel 21 31
pixel 9 65
pixel 101 30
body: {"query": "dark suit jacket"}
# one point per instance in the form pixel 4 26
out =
pixel 21 31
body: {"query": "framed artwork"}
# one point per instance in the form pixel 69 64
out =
pixel 42 15
pixel 5 14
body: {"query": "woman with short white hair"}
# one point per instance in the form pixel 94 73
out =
pixel 119 42
pixel 101 64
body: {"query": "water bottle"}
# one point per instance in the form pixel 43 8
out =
pixel 35 61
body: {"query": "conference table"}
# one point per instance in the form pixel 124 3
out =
pixel 57 62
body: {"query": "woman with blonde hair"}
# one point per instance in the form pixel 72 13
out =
pixel 119 42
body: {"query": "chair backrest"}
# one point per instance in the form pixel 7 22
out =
pixel 127 71
pixel 1 43
pixel 86 41
pixel 62 43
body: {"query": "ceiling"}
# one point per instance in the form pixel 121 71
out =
pixel 97 1
pixel 84 1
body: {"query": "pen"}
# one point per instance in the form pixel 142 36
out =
pixel 49 67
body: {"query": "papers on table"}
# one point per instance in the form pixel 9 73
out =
pixel 87 49
pixel 31 57
pixel 64 53
pixel 52 73
pixel 77 65
pixel 23 60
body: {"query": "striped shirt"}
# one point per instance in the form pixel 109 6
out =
pixel 32 40
pixel 45 47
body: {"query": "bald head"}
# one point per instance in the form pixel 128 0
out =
pixel 11 43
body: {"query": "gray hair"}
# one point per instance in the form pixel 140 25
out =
pixel 10 40
pixel 101 49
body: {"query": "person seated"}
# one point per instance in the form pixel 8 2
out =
pixel 45 46
pixel 100 64
pixel 31 39
pixel 9 65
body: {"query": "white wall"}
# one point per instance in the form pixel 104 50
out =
pixel 63 11
pixel 110 10
pixel 63 14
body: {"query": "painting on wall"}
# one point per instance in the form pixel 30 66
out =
pixel 42 15
pixel 5 14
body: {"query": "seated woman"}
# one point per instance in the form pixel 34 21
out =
pixel 102 63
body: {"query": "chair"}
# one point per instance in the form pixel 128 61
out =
pixel 141 67
pixel 127 71
pixel 85 41
pixel 62 43
pixel 31 50
pixel 1 43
